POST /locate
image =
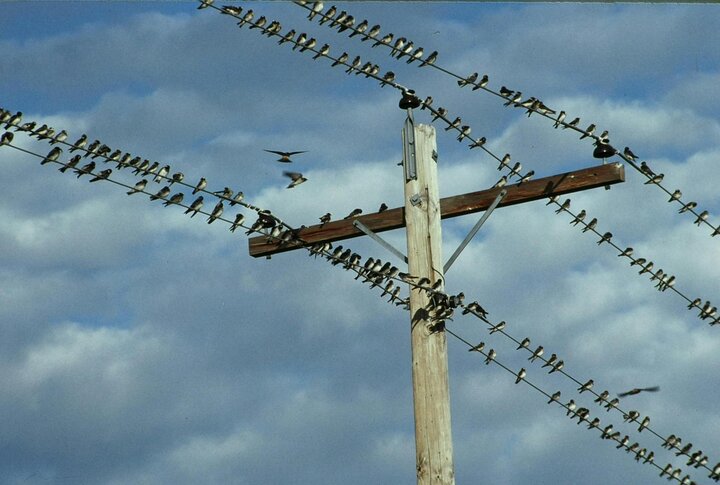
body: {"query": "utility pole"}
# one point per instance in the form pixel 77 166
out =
pixel 431 393
pixel 421 216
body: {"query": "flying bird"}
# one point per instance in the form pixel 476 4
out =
pixel 297 179
pixel 638 390
pixel 284 156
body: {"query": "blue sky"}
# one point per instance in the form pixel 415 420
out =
pixel 142 346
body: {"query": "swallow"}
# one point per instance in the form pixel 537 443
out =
pixel 324 219
pixel 631 416
pixel 515 170
pixel 454 124
pixel 216 212
pixel 526 177
pixel 490 356
pixel 296 177
pixel 476 309
pixel 175 199
pixel 558 366
pixel 440 113
pixel 273 29
pixel 239 218
pixel 644 424
pixel 504 161
pixel 340 60
pixel 551 361
pixel 195 206
pixel 464 131
pixel 430 59
pixel 328 16
pixel 285 156
pixel 205 4
pixel 102 175
pixel 239 196
pixel 468 80
pixel 629 154
pixel 560 119
pixel 565 206
pixel 354 213
pixel 415 56
pixel 588 131
pixel 361 28
pixel 505 92
pixel 535 355
pixel 524 344
pixel 675 196
pixel 520 375
pixel 389 77
pixel 202 183
pixel 590 225
pixel 594 423
pixel 383 207
pixel 483 82
pixel 287 37
pixel 59 138
pixel 602 396
pixel 385 40
pixel 687 207
pixel 623 442
pixel 514 98
pixel 497 328
pixel 638 390
pixel 161 194
pixel 71 163
pixel 554 397
pixel 246 18
pixel 259 23
pixel 312 42
pixel 14 120
pixel 655 179
pixel 478 143
pixel 231 10
pixel 585 387
pixel 300 40
pixel 612 404
pixel 315 9
pixel 372 33
pixel 161 173
pixel 477 348
pixel 52 156
pixel 572 124
pixel 715 474
pixel 571 406
pixel 579 217
pixel 605 238
pixel 406 50
pixel 85 169
pixel 702 217
pixel 6 138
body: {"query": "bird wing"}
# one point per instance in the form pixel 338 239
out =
pixel 293 175
pixel 652 389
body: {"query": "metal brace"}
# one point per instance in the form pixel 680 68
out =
pixel 379 240
pixel 409 147
pixel 474 230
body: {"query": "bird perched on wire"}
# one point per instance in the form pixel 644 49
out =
pixel 638 390
pixel 284 156
pixel 297 179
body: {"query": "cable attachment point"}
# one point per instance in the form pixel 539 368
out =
pixel 409 100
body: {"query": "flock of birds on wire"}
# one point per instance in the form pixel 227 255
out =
pixel 375 272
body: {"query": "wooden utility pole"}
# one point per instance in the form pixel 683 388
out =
pixel 421 217
pixel 431 393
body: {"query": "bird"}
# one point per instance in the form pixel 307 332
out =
pixel 79 144
pixel 195 206
pixel 246 18
pixel 638 390
pixel 644 424
pixel 161 194
pixel 560 119
pixel 70 164
pixel 315 9
pixel 454 124
pixel 590 225
pixel 284 156
pixel 231 10
pixel 296 177
pixel 102 175
pixel 483 82
pixel 536 354
pixel 430 59
pixel 565 206
pixel 325 218
pixel 162 173
pixel 490 356
pixel 629 154
pixel 383 207
pixel 554 397
pixel 85 169
pixel 520 375
pixel 327 16
pixel 239 218
pixel 309 44
pixel 385 40
pixel 675 196
pixel 478 143
pixel 588 131
pixel 504 161
pixel 579 217
pixel 175 199
pixel 571 406
pixel 354 213
pixel 468 80
pixel 477 348
pixel 216 212
pixel 259 23
pixel 586 387
pixel 202 183
pixel 300 40
pixel 372 33
pixel 558 366
pixel 505 92
pixel 205 4
pixel 605 238
pixel 361 28
pixel 526 177
pixel 139 187
pixel 59 138
pixel 655 179
pixel 177 177
pixel 687 207
pixel 702 217
pixel 524 344
pixel 239 196
pixel 340 60
pixel 464 131
pixel 602 396
pixel 551 361
pixel 497 328
pixel 52 156
pixel 573 123
pixel 287 37
pixel 417 55
pixel 389 77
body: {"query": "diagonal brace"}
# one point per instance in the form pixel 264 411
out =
pixel 474 230
pixel 379 240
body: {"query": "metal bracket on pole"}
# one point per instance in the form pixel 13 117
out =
pixel 408 102
pixel 379 240
pixel 474 230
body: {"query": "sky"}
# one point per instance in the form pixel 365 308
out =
pixel 140 345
